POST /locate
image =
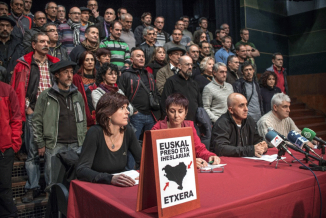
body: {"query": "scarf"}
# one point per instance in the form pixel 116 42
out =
pixel 75 27
pixel 107 88
pixel 106 26
pixel 89 47
pixel 19 22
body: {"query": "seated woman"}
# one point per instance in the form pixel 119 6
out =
pixel 103 55
pixel 105 148
pixel 267 88
pixel 157 62
pixel 106 81
pixel 84 79
pixel 206 66
pixel 176 110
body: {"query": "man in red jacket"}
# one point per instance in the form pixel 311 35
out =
pixel 31 76
pixel 10 135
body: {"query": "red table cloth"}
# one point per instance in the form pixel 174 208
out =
pixel 247 188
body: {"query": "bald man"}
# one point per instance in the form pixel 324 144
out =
pixel 235 133
pixel 39 20
pixel 183 83
pixel 105 24
pixel 72 33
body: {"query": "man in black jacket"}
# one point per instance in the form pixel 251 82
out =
pixel 10 47
pixel 130 84
pixel 104 25
pixel 235 133
pixel 233 66
pixel 56 49
pixel 249 87
pixel 146 19
pixel 183 83
pixel 148 46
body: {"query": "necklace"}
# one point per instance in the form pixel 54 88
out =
pixel 113 146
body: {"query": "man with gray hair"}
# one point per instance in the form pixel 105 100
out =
pixel 183 83
pixel 127 35
pixel 3 9
pixel 148 46
pixel 278 118
pixel 216 92
pixel 51 10
pixel 61 15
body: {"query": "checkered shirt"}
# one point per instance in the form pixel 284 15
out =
pixel 45 80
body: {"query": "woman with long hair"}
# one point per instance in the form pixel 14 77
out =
pixel 106 144
pixel 268 89
pixel 84 79
pixel 157 62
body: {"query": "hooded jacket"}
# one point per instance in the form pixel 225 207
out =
pixel 25 75
pixel 224 141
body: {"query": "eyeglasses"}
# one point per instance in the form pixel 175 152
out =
pixel 212 170
pixel 75 13
pixel 52 31
pixel 56 8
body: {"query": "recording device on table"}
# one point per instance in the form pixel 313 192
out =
pixel 279 143
pixel 311 135
pixel 274 138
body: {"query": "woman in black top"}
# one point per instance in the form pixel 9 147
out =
pixel 105 148
pixel 157 62
pixel 268 81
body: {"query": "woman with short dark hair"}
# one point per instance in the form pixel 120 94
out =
pixel 268 88
pixel 105 148
pixel 176 110
pixel 103 55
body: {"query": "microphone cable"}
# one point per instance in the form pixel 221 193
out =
pixel 321 201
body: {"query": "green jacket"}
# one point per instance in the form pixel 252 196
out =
pixel 46 117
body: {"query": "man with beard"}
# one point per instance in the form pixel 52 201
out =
pixel 39 20
pixel 31 76
pixel 183 83
pixel 72 33
pixel 59 120
pixel 89 44
pixel 146 19
pixel 56 49
pixel 23 23
pixel 120 53
pixel 10 47
pixel 104 25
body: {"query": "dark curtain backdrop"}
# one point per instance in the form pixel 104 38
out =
pixel 228 11
pixel 171 10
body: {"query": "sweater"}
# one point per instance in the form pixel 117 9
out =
pixel 129 38
pixel 282 126
pixel 215 99
pixel 66 36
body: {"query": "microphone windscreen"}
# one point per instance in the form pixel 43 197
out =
pixel 273 138
pixel 308 134
pixel 296 139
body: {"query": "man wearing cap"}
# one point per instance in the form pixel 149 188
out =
pixel 90 43
pixel 183 83
pixel 170 69
pixel 30 77
pixel 85 12
pixel 10 48
pixel 59 120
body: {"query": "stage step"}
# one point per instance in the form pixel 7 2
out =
pixel 297 105
pixel 314 126
pixel 35 209
pixel 301 112
pixel 305 120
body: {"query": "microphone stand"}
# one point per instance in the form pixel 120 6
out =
pixel 307 159
pixel 322 147
pixel 280 153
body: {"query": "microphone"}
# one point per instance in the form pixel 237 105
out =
pixel 300 141
pixel 311 135
pixel 276 140
pixel 282 136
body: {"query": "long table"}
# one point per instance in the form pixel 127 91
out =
pixel 247 188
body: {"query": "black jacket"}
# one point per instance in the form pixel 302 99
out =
pixel 134 91
pixel 100 26
pixel 76 52
pixel 224 141
pixel 239 87
pixel 189 88
pixel 267 94
pixel 147 51
pixel 155 67
pixel 60 51
pixel 231 76
pixel 15 51
pixel 27 41
pixel 138 33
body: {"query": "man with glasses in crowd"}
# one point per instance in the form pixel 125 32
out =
pixel 51 10
pixel 94 17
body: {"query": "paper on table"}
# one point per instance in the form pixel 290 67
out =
pixel 268 158
pixel 131 173
pixel 210 166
